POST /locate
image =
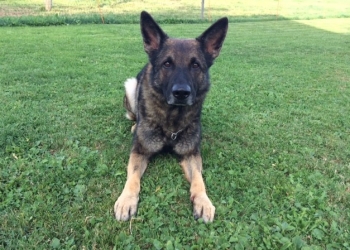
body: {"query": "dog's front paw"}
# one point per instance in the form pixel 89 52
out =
pixel 125 206
pixel 203 208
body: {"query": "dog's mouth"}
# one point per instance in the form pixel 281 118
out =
pixel 171 100
pixel 180 104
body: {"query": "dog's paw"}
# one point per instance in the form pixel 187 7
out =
pixel 203 208
pixel 125 207
pixel 133 128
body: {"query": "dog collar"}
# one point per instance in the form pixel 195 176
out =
pixel 173 135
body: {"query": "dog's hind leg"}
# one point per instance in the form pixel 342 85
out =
pixel 202 206
pixel 130 98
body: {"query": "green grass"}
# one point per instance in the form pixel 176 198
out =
pixel 275 142
pixel 32 12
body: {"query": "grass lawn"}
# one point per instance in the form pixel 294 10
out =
pixel 275 143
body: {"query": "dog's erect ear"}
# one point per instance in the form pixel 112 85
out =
pixel 153 35
pixel 212 39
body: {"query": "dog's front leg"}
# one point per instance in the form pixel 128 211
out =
pixel 126 205
pixel 202 206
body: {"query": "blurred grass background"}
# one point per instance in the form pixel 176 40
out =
pixel 185 10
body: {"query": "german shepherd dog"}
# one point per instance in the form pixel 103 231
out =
pixel 166 100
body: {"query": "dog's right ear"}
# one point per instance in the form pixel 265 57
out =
pixel 153 35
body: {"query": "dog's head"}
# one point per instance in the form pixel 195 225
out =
pixel 180 66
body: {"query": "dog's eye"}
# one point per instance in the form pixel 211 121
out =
pixel 167 64
pixel 195 65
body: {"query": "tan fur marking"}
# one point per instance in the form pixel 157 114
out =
pixel 126 205
pixel 133 128
pixel 202 206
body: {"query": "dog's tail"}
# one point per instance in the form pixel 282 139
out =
pixel 130 98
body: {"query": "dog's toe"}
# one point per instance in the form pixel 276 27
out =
pixel 125 207
pixel 203 208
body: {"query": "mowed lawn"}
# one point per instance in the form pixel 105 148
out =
pixel 276 141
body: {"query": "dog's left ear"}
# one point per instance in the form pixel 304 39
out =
pixel 212 39
pixel 153 35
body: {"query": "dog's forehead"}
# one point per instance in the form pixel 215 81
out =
pixel 189 47
pixel 186 43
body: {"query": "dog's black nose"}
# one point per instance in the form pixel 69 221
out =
pixel 181 92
